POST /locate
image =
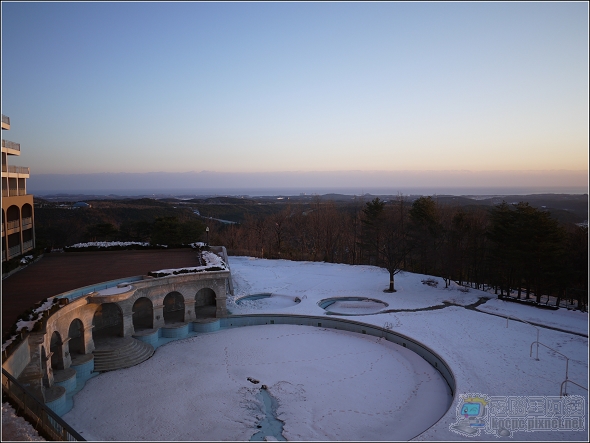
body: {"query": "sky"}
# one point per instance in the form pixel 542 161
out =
pixel 335 385
pixel 138 87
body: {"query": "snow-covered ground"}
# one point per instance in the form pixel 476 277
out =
pixel 334 385
pixel 108 244
pixel 16 428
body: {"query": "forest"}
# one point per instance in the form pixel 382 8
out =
pixel 514 248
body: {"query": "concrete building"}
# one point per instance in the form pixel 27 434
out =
pixel 18 221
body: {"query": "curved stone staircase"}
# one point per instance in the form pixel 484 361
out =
pixel 118 352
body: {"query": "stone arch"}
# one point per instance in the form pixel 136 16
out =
pixel 205 303
pixel 143 314
pixel 45 379
pixel 56 350
pixel 76 335
pixel 173 308
pixel 107 321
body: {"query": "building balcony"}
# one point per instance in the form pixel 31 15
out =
pixel 5 122
pixel 14 251
pixel 11 146
pixel 21 170
pixel 13 224
pixel 27 246
pixel 27 222
pixel 13 192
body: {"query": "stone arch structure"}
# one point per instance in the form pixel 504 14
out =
pixel 70 332
pixel 76 336
pixel 56 350
pixel 205 303
pixel 107 321
pixel 143 314
pixel 173 308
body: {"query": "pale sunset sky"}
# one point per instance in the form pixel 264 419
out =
pixel 94 87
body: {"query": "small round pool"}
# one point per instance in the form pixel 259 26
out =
pixel 352 305
pixel 266 300
pixel 260 296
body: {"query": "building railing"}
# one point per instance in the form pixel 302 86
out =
pixel 27 246
pixel 14 251
pixel 10 145
pixel 5 119
pixel 12 192
pixel 19 169
pixel 564 383
pixel 12 224
pixel 4 192
pixel 563 388
pixel 47 422
pixel 27 222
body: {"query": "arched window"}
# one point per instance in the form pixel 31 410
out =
pixel 27 210
pixel 12 215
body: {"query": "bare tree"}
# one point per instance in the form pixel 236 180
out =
pixel 395 245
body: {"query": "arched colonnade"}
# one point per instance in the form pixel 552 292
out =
pixel 147 304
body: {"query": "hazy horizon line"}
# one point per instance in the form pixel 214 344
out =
pixel 331 171
pixel 298 191
pixel 349 182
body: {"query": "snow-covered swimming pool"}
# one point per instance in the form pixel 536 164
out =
pixel 329 385
pixel 264 300
pixel 352 305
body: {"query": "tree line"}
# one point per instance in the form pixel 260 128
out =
pixel 162 231
pixel 516 249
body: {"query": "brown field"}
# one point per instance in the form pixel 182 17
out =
pixel 60 272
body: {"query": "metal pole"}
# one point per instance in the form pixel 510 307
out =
pixel 526 322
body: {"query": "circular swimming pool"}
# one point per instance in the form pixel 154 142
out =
pixel 352 305
pixel 266 300
pixel 328 384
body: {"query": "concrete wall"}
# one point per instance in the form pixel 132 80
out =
pixel 18 359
